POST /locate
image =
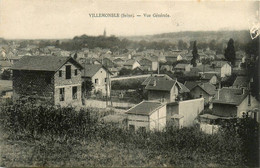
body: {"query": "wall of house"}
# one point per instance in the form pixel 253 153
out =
pixel 243 107
pixel 138 121
pixel 197 91
pixel 154 66
pixel 172 108
pixel 37 85
pixel 67 84
pixel 190 109
pixel 225 70
pixel 101 85
pixel 158 119
pixel 213 80
pixel 159 95
pixel 224 110
pixel 135 65
pixel 174 93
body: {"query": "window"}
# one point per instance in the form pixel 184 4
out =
pixel 96 81
pixel 249 100
pixel 76 72
pixel 68 72
pixel 60 73
pixel 62 94
pixel 131 128
pixel 74 92
pixel 105 80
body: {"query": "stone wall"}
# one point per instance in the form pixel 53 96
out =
pixel 33 85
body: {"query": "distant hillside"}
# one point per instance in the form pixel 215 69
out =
pixel 242 36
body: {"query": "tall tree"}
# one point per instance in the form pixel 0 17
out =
pixel 195 55
pixel 252 65
pixel 230 53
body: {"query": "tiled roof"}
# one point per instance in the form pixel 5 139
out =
pixel 129 62
pixel 148 79
pixel 208 76
pixel 183 88
pixel 208 88
pixel 182 66
pixel 191 84
pixel 241 81
pixel 144 108
pixel 232 96
pixel 90 69
pixel 160 84
pixel 42 63
pixel 5 64
pixel 219 64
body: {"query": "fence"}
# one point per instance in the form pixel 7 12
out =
pixel 104 104
pixel 208 128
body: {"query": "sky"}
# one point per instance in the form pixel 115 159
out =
pixel 47 19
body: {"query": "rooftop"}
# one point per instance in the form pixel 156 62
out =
pixel 232 96
pixel 144 108
pixel 160 84
pixel 42 63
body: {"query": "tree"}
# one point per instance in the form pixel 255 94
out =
pixel 87 87
pixel 6 75
pixel 230 53
pixel 252 65
pixel 194 54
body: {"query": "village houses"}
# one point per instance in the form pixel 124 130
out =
pixel 99 76
pixel 55 80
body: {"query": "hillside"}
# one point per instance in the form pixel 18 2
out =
pixel 203 36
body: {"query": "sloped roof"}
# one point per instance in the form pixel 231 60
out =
pixel 90 69
pixel 160 84
pixel 191 84
pixel 208 76
pixel 5 64
pixel 130 62
pixel 43 63
pixel 144 108
pixel 148 79
pixel 181 66
pixel 219 64
pixel 208 88
pixel 183 88
pixel 232 96
pixel 241 81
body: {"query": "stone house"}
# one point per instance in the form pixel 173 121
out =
pixel 200 89
pixel 131 64
pixel 235 102
pixel 182 67
pixel 99 76
pixel 212 78
pixel 55 80
pixel 223 67
pixel 151 63
pixel 164 90
pixel 147 116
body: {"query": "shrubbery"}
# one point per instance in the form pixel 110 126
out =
pixel 184 147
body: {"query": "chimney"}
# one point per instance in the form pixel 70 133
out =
pixel 218 94
pixel 154 83
pixel 243 90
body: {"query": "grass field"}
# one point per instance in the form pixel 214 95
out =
pixel 58 137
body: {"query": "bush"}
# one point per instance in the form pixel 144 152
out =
pixel 183 147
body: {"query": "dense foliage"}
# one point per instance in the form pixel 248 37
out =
pixel 230 53
pixel 54 129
